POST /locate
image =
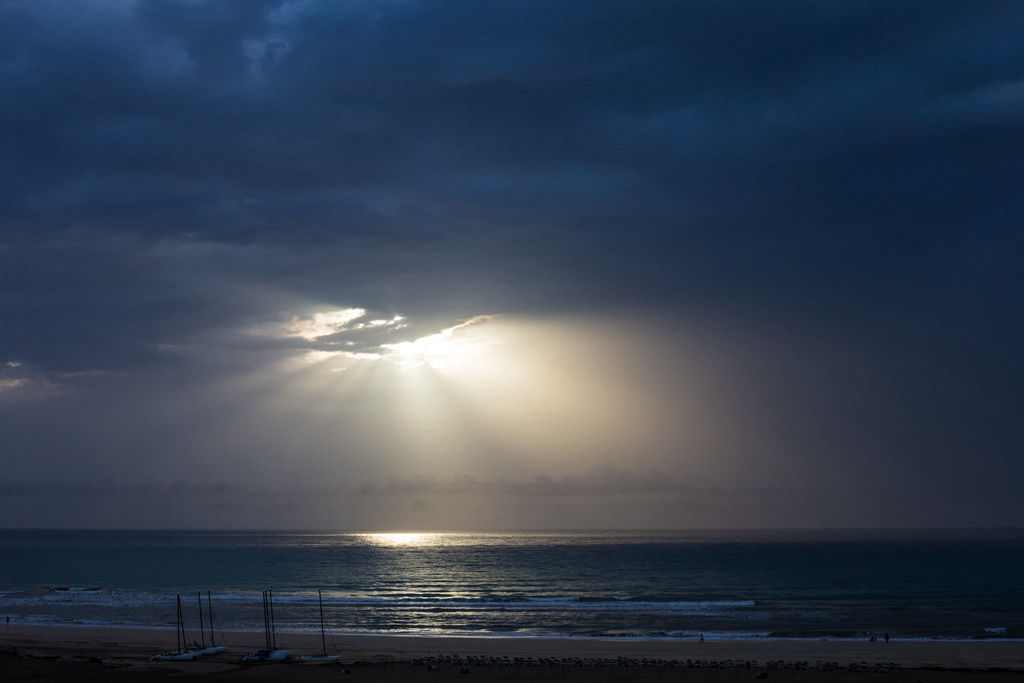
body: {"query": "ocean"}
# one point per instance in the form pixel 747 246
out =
pixel 965 584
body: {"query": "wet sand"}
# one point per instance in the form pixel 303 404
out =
pixel 35 653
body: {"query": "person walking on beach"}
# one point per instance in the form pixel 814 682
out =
pixel 887 638
pixel 702 637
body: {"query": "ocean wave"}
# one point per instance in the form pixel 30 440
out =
pixel 89 597
pixel 516 603
pixel 522 603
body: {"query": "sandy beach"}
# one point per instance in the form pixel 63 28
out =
pixel 32 653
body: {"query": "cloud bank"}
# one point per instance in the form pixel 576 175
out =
pixel 775 245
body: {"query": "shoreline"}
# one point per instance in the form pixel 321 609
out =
pixel 134 644
pixel 626 636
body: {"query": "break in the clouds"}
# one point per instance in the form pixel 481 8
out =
pixel 760 247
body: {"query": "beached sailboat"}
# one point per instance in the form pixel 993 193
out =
pixel 203 648
pixel 270 653
pixel 323 657
pixel 182 654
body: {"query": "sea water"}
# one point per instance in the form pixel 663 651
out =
pixel 724 584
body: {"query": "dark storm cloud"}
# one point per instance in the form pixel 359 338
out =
pixel 830 191
pixel 691 126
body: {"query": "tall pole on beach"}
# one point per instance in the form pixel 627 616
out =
pixel 273 626
pixel 323 638
pixel 209 605
pixel 202 631
pixel 266 621
pixel 181 627
pixel 177 625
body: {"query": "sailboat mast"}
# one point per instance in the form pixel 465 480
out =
pixel 323 638
pixel 273 626
pixel 177 625
pixel 266 621
pixel 181 628
pixel 202 631
pixel 209 605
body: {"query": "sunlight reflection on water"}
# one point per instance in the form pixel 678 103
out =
pixel 403 539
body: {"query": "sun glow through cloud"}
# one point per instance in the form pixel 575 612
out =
pixel 324 324
pixel 445 350
pixel 497 392
pixel 335 336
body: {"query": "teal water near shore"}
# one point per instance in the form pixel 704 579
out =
pixel 726 584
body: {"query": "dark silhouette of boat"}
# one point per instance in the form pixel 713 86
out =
pixel 323 657
pixel 270 653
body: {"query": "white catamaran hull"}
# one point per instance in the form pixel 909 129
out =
pixel 318 659
pixel 267 656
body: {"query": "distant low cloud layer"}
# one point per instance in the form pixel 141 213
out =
pixel 605 497
pixel 827 194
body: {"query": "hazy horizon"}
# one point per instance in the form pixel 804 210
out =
pixel 763 533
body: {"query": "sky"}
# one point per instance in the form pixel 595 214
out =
pixel 511 265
